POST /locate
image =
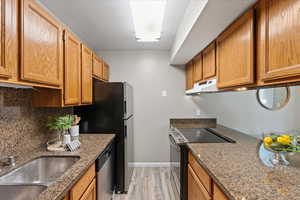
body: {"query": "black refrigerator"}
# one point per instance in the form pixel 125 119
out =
pixel 112 112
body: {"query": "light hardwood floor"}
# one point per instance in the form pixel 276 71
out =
pixel 150 184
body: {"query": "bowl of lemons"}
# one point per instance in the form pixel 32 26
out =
pixel 281 145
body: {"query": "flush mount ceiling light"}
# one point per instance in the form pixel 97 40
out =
pixel 148 18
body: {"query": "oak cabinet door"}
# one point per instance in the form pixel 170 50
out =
pixel 72 89
pixel 41 46
pixel 105 71
pixel 90 193
pixel 281 41
pixel 235 54
pixel 86 75
pixel 196 191
pixel 189 70
pixel 97 67
pixel 67 197
pixel 218 194
pixel 198 68
pixel 8 37
pixel 209 61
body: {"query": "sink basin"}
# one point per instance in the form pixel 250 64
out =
pixel 43 170
pixel 20 192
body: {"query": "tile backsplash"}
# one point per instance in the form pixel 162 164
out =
pixel 22 126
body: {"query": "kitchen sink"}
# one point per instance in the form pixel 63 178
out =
pixel 20 192
pixel 43 170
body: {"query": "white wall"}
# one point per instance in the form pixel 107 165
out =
pixel 149 73
pixel 241 111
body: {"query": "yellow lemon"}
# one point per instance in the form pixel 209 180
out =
pixel 286 136
pixel 284 140
pixel 268 140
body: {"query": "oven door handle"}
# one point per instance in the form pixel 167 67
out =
pixel 173 143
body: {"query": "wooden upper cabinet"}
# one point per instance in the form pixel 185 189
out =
pixel 9 37
pixel 235 53
pixel 86 75
pixel 189 71
pixel 97 67
pixel 278 39
pixel 198 73
pixel 41 45
pixel 105 71
pixel 72 86
pixel 209 61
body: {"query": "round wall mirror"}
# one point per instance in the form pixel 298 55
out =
pixel 273 98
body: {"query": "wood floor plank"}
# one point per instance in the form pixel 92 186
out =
pixel 149 184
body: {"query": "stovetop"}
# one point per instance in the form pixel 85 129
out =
pixel 197 135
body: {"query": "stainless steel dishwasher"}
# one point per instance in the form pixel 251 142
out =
pixel 105 176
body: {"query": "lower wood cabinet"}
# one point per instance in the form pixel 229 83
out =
pixel 204 178
pixel 85 188
pixel 200 184
pixel 91 192
pixel 196 191
pixel 218 194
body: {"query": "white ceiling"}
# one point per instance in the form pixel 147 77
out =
pixel 108 25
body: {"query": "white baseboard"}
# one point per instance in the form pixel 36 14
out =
pixel 149 164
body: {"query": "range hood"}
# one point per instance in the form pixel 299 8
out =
pixel 209 86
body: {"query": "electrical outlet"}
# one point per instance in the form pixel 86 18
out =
pixel 164 93
pixel 198 112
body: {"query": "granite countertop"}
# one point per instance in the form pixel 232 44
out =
pixel 237 169
pixel 92 146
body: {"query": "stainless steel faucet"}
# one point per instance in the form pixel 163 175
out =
pixel 8 161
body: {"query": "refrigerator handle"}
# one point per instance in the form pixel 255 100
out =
pixel 125 107
pixel 125 129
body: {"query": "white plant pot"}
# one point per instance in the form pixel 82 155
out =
pixel 74 131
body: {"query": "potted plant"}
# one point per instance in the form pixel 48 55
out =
pixel 61 125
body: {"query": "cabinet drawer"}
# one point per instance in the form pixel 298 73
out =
pixel 196 191
pixel 218 194
pixel 81 186
pixel 201 173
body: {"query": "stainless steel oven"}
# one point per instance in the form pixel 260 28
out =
pixel 179 153
pixel 175 154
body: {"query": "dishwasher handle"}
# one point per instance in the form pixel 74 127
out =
pixel 103 158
